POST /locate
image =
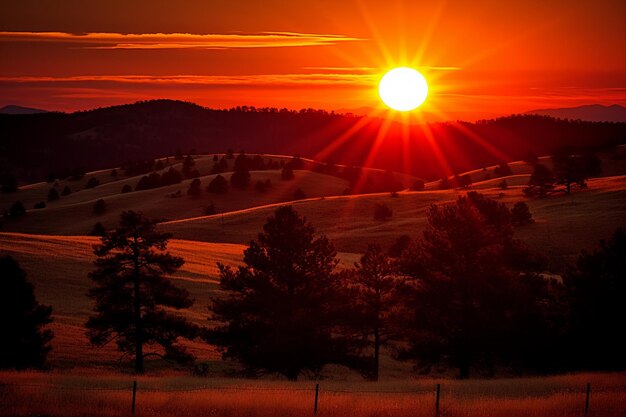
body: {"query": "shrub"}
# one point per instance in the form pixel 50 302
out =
pixel 17 209
pixel 66 191
pixel 299 194
pixel 99 207
pixel 287 173
pixel 40 205
pixel 240 179
pixel 126 189
pixel 520 214
pixel 503 170
pixel 218 185
pixel 92 183
pixel 382 212
pixel 503 184
pixel 194 188
pixel 97 230
pixel 210 209
pixel 53 194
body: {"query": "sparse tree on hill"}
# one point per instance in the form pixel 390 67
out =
pixel 299 194
pixel 230 154
pixel 373 298
pixel 503 185
pixel 99 207
pixel 92 182
pixel 114 173
pixel 520 214
pixel 188 170
pixel 399 246
pixel 541 182
pixel 127 189
pixel 382 212
pixel 278 314
pixel 210 209
pixel 194 188
pixel 66 191
pixel 53 194
pixel 240 179
pixel 25 342
pixel 98 230
pixel 287 173
pixel 218 185
pixel 40 205
pixel 572 169
pixel 503 170
pixel 17 209
pixel 134 302
pixel 473 292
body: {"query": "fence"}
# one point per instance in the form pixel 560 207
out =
pixel 315 393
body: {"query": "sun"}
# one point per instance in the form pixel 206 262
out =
pixel 403 89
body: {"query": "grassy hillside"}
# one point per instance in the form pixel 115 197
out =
pixel 564 224
pixel 58 266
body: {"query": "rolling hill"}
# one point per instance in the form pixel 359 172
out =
pixel 592 113
pixel 34 145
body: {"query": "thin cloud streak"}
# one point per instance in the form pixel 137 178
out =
pixel 105 40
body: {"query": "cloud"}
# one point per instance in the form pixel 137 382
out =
pixel 178 40
pixel 270 80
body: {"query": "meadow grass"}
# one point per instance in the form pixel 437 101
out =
pixel 94 393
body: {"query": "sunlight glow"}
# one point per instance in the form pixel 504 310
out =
pixel 403 89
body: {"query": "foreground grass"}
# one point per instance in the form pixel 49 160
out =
pixel 92 393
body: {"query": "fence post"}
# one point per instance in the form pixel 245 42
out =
pixel 437 400
pixel 317 392
pixel 587 399
pixel 134 395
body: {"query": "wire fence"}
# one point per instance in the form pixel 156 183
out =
pixel 435 391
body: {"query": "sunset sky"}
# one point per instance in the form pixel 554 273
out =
pixel 482 59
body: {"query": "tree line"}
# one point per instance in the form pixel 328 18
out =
pixel 466 295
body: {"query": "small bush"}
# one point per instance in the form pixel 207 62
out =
pixel 382 212
pixel 126 189
pixel 92 183
pixel 503 185
pixel 287 173
pixel 97 230
pixel 299 194
pixel 194 188
pixel 99 207
pixel 66 191
pixel 40 205
pixel 17 209
pixel 210 209
pixel 53 194
pixel 218 185
pixel 520 214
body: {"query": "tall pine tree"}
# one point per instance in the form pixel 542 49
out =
pixel 133 299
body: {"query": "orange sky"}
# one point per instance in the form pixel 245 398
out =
pixel 483 59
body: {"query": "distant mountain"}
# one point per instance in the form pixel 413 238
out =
pixel 13 109
pixel 592 113
pixel 32 146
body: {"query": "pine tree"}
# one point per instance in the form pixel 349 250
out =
pixel 133 300
pixel 541 182
pixel 279 312
pixel 24 343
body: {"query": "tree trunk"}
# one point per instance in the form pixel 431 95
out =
pixel 137 311
pixel 376 353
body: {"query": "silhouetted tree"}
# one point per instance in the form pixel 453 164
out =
pixel 188 165
pixel 520 214
pixel 171 177
pixel 279 312
pixel 25 344
pixel 297 162
pixel 418 185
pixel 502 170
pixel 492 212
pixel 126 189
pixel 210 209
pixel 218 185
pixel 596 289
pixel 399 246
pixel 134 301
pixel 570 169
pixel 40 205
pixel 66 191
pixel 17 209
pixel 97 230
pixel 299 194
pixel 472 292
pixel 287 173
pixel 382 212
pixel 230 154
pixel 194 188
pixel 215 158
pixel 99 207
pixel 444 184
pixel 240 179
pixel 53 194
pixel 92 182
pixel 373 298
pixel 541 182
pixel 262 186
pixel 503 185
pixel 114 173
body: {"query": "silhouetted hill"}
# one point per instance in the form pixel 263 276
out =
pixel 33 145
pixel 13 109
pixel 592 113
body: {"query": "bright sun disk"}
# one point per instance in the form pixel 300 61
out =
pixel 403 89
